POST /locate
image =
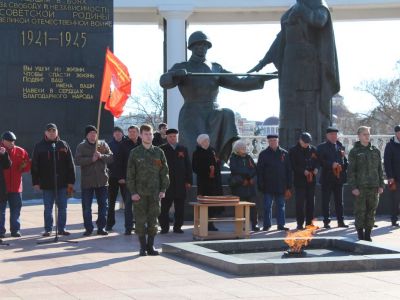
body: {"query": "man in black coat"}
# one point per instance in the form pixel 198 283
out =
pixel 331 155
pixel 160 137
pixel 304 163
pixel 51 149
pixel 114 183
pixel 180 176
pixel 392 168
pixel 121 159
pixel 274 179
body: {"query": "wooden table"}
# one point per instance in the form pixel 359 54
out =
pixel 241 221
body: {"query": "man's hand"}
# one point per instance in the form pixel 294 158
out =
pixel 161 195
pixel 334 165
pixel 96 156
pixel 180 73
pixel 390 180
pixel 257 68
pixel 356 192
pixel 306 172
pixel 36 187
pixel 380 190
pixel 121 181
pixel 315 171
pixel 135 197
pixel 2 150
pixel 188 185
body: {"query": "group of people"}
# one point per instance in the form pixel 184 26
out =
pixel 277 171
pixel 152 172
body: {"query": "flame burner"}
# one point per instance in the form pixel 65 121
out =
pixel 290 253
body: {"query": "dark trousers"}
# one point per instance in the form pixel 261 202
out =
pixel 305 204
pixel 128 213
pixel 87 200
pixel 113 188
pixel 395 197
pixel 337 191
pixel 166 204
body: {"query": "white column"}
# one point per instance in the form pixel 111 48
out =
pixel 176 52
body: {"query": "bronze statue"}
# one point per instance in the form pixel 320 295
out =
pixel 200 113
pixel 304 52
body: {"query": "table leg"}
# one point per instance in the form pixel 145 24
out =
pixel 203 221
pixel 196 220
pixel 247 221
pixel 239 225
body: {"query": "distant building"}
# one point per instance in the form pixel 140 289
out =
pixel 269 126
pixel 245 127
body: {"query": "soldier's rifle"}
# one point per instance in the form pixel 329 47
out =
pixel 269 75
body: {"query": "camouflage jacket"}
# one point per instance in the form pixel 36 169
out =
pixel 365 167
pixel 147 172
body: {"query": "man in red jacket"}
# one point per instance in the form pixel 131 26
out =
pixel 13 178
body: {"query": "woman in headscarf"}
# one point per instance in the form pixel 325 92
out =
pixel 243 178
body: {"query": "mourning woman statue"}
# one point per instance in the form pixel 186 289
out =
pixel 304 52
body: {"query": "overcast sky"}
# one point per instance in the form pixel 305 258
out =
pixel 366 51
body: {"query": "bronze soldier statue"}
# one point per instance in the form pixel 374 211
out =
pixel 304 52
pixel 200 113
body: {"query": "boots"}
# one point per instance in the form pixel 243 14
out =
pixel 150 246
pixel 142 241
pixel 367 235
pixel 360 233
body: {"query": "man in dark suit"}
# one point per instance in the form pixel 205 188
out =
pixel 180 174
pixel 333 161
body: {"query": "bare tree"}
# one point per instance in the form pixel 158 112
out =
pixel 148 106
pixel 387 94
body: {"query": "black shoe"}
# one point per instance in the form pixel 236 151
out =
pixel 342 225
pixel 63 232
pixel 164 231
pixel 150 246
pixel 300 227
pixel 283 228
pixel 102 232
pixel 367 235
pixel 211 227
pixel 16 234
pixel 178 230
pixel 88 233
pixel 327 226
pixel 46 233
pixel 395 224
pixel 255 228
pixel 375 225
pixel 266 228
pixel 127 232
pixel 109 228
pixel 142 241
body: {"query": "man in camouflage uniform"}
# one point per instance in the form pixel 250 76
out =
pixel 366 180
pixel 147 181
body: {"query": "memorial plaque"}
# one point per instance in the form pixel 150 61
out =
pixel 51 66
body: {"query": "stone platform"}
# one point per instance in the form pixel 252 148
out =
pixel 110 268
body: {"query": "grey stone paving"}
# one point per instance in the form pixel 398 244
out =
pixel 110 268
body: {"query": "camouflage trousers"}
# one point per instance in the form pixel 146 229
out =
pixel 147 210
pixel 365 207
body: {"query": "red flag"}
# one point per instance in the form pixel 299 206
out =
pixel 117 72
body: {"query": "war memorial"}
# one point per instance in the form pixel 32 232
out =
pixel 51 65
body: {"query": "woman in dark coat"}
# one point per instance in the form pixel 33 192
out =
pixel 243 178
pixel 207 167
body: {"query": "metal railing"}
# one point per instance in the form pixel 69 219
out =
pixel 255 144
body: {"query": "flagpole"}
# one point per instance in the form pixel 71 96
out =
pixel 98 124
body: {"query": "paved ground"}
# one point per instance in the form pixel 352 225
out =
pixel 109 267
